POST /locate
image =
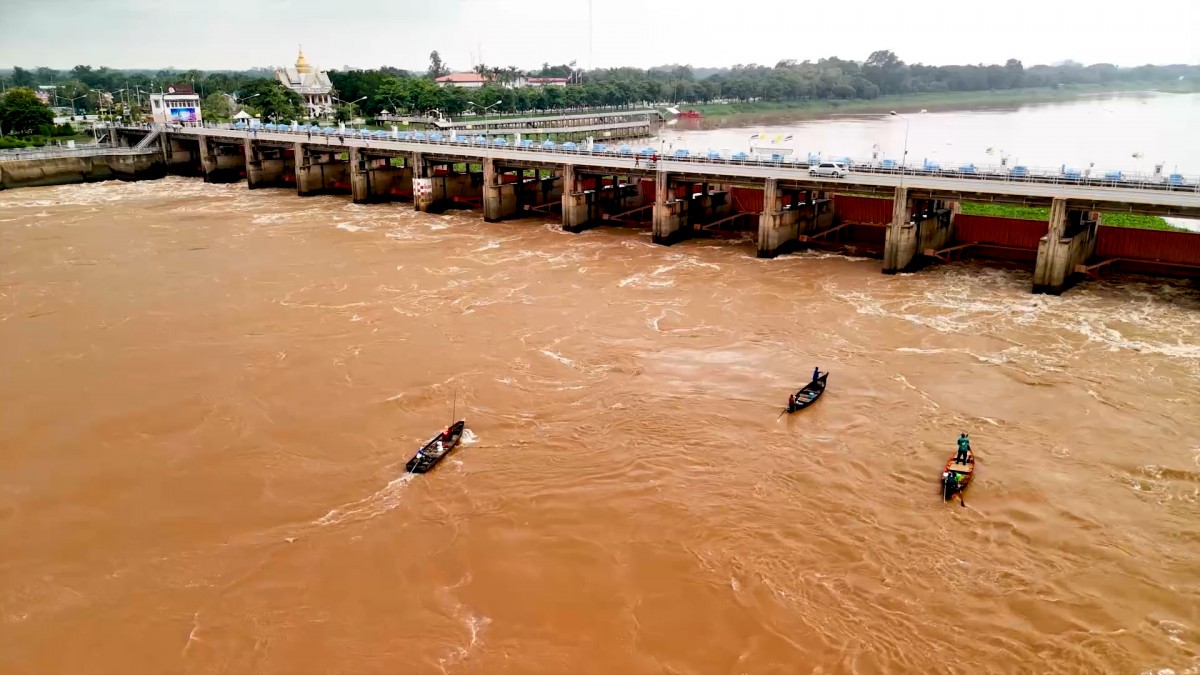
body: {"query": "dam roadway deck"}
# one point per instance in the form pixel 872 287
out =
pixel 1182 202
pixel 913 220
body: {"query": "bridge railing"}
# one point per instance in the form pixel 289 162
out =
pixel 1131 180
pixel 23 154
pixel 50 148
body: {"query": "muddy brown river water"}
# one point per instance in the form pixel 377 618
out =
pixel 207 397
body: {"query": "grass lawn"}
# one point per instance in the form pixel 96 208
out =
pixel 1040 213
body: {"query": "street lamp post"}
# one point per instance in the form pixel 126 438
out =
pixel 485 109
pixel 904 157
pixel 99 101
pixel 124 107
pixel 351 103
pixel 237 103
pixel 72 102
pixel 240 101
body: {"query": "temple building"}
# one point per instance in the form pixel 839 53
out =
pixel 313 85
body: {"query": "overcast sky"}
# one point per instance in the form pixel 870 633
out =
pixel 240 34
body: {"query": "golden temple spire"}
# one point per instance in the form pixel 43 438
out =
pixel 302 63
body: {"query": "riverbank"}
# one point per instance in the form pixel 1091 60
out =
pixel 952 99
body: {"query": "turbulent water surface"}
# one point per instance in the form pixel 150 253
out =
pixel 207 397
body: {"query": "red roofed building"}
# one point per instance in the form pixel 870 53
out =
pixel 462 80
pixel 475 81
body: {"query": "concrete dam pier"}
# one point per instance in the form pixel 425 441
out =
pixel 909 220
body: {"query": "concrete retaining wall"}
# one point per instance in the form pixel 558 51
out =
pixel 66 170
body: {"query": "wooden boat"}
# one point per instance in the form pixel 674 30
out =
pixel 437 448
pixel 956 477
pixel 808 394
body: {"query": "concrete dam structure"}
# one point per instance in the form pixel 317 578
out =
pixel 913 220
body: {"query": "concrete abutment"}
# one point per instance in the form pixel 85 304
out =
pixel 221 162
pixel 671 222
pixel 320 171
pixel 918 225
pixel 1069 241
pixel 269 166
pixel 787 215
pixel 379 178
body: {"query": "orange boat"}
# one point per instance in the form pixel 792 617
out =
pixel 956 477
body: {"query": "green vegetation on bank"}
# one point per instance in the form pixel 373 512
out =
pixel 38 140
pixel 25 121
pixel 875 83
pixel 1042 213
pixel 933 100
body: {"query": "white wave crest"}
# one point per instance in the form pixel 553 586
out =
pixel 367 508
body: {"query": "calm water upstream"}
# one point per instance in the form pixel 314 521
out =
pixel 207 397
pixel 1107 130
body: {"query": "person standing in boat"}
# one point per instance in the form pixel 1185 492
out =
pixel 964 449
pixel 816 373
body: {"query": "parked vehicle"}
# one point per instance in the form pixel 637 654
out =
pixel 830 170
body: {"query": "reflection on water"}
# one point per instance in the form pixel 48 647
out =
pixel 209 396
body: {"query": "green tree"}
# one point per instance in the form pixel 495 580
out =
pixel 274 101
pixel 84 74
pixel 21 77
pixel 437 68
pixel 1016 72
pixel 22 114
pixel 394 95
pixel 886 71
pixel 217 105
pixel 343 112
pixel 352 85
pixel 46 75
